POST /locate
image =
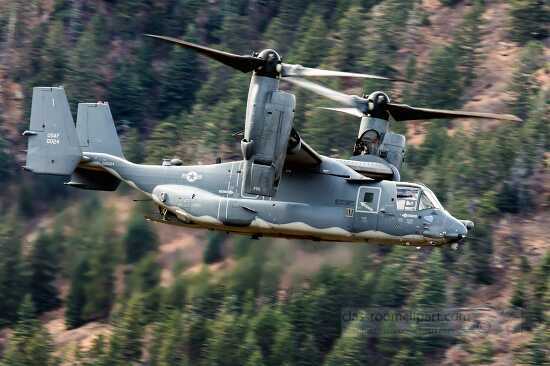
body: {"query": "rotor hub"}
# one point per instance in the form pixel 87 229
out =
pixel 379 98
pixel 377 103
pixel 271 62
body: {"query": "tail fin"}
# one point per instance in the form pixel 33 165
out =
pixel 96 129
pixel 96 132
pixel 53 146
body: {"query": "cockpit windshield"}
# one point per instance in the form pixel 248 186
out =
pixel 413 198
pixel 432 197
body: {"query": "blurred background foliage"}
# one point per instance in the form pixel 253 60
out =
pixel 64 253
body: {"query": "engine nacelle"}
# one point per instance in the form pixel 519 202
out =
pixel 266 147
pixel 392 148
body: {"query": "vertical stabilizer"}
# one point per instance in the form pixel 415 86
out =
pixel 53 146
pixel 96 129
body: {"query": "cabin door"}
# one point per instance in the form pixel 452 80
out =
pixel 367 206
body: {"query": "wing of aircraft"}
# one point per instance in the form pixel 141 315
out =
pixel 306 158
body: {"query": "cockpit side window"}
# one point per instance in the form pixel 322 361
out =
pixel 407 198
pixel 410 198
pixel 425 203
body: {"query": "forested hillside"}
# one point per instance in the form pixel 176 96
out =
pixel 85 280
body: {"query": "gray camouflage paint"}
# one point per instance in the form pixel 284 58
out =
pixel 310 205
pixel 320 202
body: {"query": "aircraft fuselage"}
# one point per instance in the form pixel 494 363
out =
pixel 332 203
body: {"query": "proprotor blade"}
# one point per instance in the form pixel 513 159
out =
pixel 403 112
pixel 325 92
pixel 301 71
pixel 244 63
pixel 352 111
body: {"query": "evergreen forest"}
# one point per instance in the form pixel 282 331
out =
pixel 86 280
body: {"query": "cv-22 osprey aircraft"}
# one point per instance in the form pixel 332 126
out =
pixel 281 188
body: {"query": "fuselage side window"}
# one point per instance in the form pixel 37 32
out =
pixel 407 198
pixel 368 200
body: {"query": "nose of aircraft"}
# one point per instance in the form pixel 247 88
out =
pixel 457 229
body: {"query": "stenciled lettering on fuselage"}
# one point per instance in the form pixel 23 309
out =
pixel 53 138
pixel 108 163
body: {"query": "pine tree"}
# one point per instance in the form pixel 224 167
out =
pixel 279 35
pixel 440 85
pixel 407 357
pixel 250 352
pixel 5 166
pixel 207 297
pixel 100 287
pixel 300 312
pixel 155 343
pixel 176 295
pixel 310 49
pixel 247 276
pixel 145 275
pixel 518 297
pixel 143 63
pixel 537 352
pixel 347 51
pixel 76 300
pixel 479 252
pixel 180 82
pixel 272 272
pixel 534 313
pixel 172 347
pixel 449 2
pixel 199 334
pixel 391 288
pixel 467 40
pixel 407 97
pixel 282 350
pixel 483 354
pixel 96 355
pixel 30 343
pixel 536 133
pixel 226 335
pixel 126 342
pixel 213 252
pixel 350 348
pixel 524 87
pixel 127 94
pixel 431 297
pixel 432 289
pixel 264 328
pixel 335 290
pixel 162 142
pixel 131 16
pixel 133 147
pixel 82 76
pixel 13 281
pixel 529 20
pixel 308 354
pixel 255 359
pixel 387 32
pixel 43 268
pixel 144 279
pixel 140 238
pixel 54 60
